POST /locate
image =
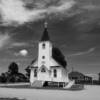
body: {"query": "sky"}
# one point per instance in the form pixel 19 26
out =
pixel 73 25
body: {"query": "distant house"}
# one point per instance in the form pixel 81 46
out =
pixel 49 66
pixel 80 78
pixel 99 76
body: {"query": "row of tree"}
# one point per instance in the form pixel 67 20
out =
pixel 13 74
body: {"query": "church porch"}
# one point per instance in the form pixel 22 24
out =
pixel 48 84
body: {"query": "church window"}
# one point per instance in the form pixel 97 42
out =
pixel 43 45
pixel 55 73
pixel 43 57
pixel 43 69
pixel 35 72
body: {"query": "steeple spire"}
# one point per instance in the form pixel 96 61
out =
pixel 45 36
pixel 45 24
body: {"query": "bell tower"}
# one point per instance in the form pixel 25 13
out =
pixel 45 49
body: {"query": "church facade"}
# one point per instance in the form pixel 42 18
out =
pixel 47 68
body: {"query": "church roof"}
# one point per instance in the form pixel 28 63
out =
pixel 45 36
pixel 59 57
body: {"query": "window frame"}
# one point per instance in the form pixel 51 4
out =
pixel 43 69
pixel 35 72
pixel 43 57
pixel 55 73
pixel 43 45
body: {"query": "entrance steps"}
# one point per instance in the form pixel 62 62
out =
pixel 37 84
pixel 69 84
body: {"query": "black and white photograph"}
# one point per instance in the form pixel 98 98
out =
pixel 49 49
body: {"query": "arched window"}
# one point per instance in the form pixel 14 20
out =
pixel 55 73
pixel 43 69
pixel 35 72
pixel 43 45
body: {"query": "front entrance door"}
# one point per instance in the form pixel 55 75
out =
pixel 44 74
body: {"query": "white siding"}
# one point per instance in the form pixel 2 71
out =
pixel 49 75
pixel 44 76
pixel 44 52
pixel 58 78
pixel 32 78
pixel 64 75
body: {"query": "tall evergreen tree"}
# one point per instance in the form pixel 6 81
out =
pixel 28 72
pixel 13 68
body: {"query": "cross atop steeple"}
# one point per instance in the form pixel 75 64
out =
pixel 46 24
pixel 45 36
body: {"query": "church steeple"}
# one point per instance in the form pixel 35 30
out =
pixel 45 36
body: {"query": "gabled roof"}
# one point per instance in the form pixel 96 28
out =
pixel 52 63
pixel 59 57
pixel 76 74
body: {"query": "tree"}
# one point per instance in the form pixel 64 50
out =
pixel 28 69
pixel 99 76
pixel 13 74
pixel 4 77
pixel 17 78
pixel 13 68
pixel 28 72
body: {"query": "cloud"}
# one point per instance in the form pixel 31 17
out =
pixel 63 7
pixel 4 40
pixel 14 12
pixel 83 53
pixel 89 12
pixel 18 44
pixel 17 12
pixel 21 45
pixel 23 52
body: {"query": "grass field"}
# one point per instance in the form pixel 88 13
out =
pixel 88 93
pixel 28 86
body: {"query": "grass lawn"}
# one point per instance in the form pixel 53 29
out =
pixel 27 86
pixel 20 92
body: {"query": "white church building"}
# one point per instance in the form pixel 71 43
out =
pixel 46 69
